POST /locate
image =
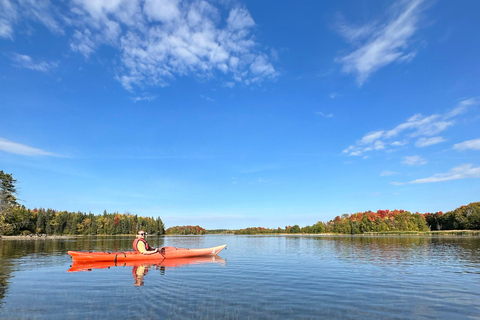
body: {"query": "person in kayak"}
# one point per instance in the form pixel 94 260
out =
pixel 141 245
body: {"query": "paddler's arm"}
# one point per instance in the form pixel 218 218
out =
pixel 143 250
pixel 151 251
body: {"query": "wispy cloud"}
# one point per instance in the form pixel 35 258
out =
pixel 422 129
pixel 21 149
pixel 463 171
pixel 380 44
pixel 8 17
pixel 414 161
pixel 470 144
pixel 260 181
pixel 24 61
pixel 145 97
pixel 13 12
pixel 207 98
pixel 387 173
pixel 463 106
pixel 425 142
pixel 325 115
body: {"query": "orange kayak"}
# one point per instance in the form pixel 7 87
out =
pixel 169 263
pixel 165 253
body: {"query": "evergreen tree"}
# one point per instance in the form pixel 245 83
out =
pixel 7 191
pixel 8 201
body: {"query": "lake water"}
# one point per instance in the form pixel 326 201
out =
pixel 257 277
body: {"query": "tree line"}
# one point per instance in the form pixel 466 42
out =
pixel 16 219
pixel 357 223
pixel 319 227
pixel 23 221
pixel 463 218
pixel 186 230
pixel 380 221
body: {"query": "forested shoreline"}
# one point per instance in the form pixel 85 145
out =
pixel 19 220
pixel 16 219
pixel 23 221
pixel 463 218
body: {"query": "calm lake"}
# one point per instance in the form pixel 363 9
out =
pixel 257 277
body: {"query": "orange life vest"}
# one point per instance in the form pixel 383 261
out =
pixel 147 246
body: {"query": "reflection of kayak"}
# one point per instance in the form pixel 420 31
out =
pixel 165 253
pixel 169 263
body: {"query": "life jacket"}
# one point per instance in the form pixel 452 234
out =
pixel 147 246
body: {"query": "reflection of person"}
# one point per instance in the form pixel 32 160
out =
pixel 141 245
pixel 138 273
pixel 141 270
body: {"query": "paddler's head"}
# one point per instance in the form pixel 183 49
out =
pixel 141 234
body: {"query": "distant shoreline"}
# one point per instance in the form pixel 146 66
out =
pixel 388 233
pixel 42 237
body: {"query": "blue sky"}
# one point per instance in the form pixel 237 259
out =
pixel 232 114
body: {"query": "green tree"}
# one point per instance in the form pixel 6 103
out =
pixel 41 221
pixel 295 229
pixel 7 191
pixel 8 201
pixel 160 227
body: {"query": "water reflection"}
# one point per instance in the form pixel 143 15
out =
pixel 387 250
pixel 277 277
pixel 140 268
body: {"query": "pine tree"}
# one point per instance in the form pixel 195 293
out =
pixel 7 191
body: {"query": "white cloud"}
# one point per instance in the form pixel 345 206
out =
pixel 387 173
pixel 425 142
pixel 463 106
pixel 381 44
pixel 371 137
pixel 470 144
pixel 399 143
pixel 354 34
pixel 156 40
pixel 424 129
pixel 274 54
pixel 24 61
pixel 8 17
pixel 421 126
pixel 145 97
pixel 160 40
pixel 414 161
pixel 39 11
pixel 461 172
pixel 207 98
pixel 21 149
pixel 164 10
pixel 239 19
pixel 325 115
pixel 261 66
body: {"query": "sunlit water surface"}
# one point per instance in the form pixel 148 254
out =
pixel 257 277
